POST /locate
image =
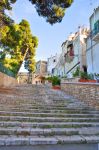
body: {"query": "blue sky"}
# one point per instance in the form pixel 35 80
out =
pixel 51 37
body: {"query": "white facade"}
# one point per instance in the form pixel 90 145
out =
pixel 93 43
pixel 51 64
pixel 73 53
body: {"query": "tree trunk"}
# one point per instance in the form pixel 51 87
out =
pixel 22 60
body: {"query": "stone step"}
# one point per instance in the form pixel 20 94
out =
pixel 45 108
pixel 36 108
pixel 37 115
pixel 35 103
pixel 37 132
pixel 35 140
pixel 30 114
pixel 80 146
pixel 47 119
pixel 68 111
pixel 61 109
pixel 42 104
pixel 49 132
pixel 48 124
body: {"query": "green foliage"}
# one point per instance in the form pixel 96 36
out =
pixel 19 44
pixel 64 77
pixel 6 4
pixel 84 75
pixel 4 19
pixel 77 72
pixel 52 10
pixel 48 79
pixel 55 80
pixel 6 71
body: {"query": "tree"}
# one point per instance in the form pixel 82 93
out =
pixel 16 41
pixel 18 45
pixel 6 4
pixel 52 10
pixel 4 19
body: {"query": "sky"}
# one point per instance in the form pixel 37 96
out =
pixel 51 37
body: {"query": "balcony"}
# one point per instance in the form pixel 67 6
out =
pixel 95 32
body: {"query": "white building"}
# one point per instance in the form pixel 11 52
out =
pixel 51 64
pixel 73 53
pixel 93 43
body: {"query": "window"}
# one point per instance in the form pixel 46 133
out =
pixel 54 60
pixel 53 70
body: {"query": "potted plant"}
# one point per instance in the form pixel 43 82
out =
pixel 85 77
pixel 55 82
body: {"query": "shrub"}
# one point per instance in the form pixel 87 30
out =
pixel 55 80
pixel 84 75
pixel 77 72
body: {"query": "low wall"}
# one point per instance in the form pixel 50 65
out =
pixel 70 79
pixel 87 92
pixel 7 81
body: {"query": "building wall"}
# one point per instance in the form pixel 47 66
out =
pixel 93 57
pixel 94 17
pixel 76 59
pixel 41 67
pixel 40 73
pixel 7 81
pixel 93 46
pixel 79 49
pixel 23 78
pixel 51 63
pixel 36 80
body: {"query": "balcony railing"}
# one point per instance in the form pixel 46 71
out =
pixel 95 32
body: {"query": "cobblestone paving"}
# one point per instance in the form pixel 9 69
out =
pixel 35 115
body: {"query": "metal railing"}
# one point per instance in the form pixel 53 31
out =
pixel 6 71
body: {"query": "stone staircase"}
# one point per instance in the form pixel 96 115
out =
pixel 37 115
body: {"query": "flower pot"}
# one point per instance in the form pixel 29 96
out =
pixel 86 80
pixel 56 87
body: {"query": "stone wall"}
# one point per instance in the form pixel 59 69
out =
pixel 7 81
pixel 87 92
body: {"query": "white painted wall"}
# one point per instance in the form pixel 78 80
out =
pixel 79 47
pixel 93 47
pixel 51 63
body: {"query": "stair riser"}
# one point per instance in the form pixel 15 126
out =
pixel 53 147
pixel 47 126
pixel 31 114
pixel 50 111
pixel 23 119
pixel 26 114
pixel 35 133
